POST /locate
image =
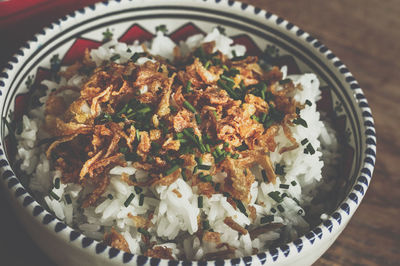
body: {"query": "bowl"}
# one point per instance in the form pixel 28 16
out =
pixel 342 100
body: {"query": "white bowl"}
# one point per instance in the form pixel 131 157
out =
pixel 255 28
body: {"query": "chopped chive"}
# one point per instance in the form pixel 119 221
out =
pixel 200 202
pixel 179 135
pixel 110 196
pixel 235 156
pixel 115 57
pixel 208 149
pixel 183 172
pixel 284 186
pixel 129 200
pixel 304 141
pixel 195 169
pixel 172 108
pixel 189 106
pixel 273 210
pixel 263 117
pixel 263 95
pixel 275 196
pixel 198 119
pixel 225 67
pixel 217 186
pixel 172 169
pixel 223 77
pixel 206 178
pixel 228 89
pixel 264 175
pixel 54 195
pixel 279 169
pixel 144 232
pixel 241 207
pixel 284 81
pixel 198 160
pixel 67 198
pixel 136 56
pixel 308 102
pixel 137 135
pixel 280 208
pixel 300 121
pixel 215 114
pixel 242 147
pixel 188 86
pixel 293 183
pixel 123 150
pixel 138 190
pixel 219 151
pixel 267 219
pixel 141 199
pixel 310 149
pixel 57 183
pixel 254 117
pixel 206 225
pixel 204 167
pixel 207 64
pixel 296 200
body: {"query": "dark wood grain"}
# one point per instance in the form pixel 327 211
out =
pixel 365 34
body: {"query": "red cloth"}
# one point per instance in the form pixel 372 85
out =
pixel 21 19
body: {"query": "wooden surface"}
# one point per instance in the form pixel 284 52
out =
pixel 365 34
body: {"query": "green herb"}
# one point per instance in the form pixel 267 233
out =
pixel 200 202
pixel 138 190
pixel 67 198
pixel 284 186
pixel 183 172
pixel 308 102
pixel 300 121
pixel 206 178
pixel 242 147
pixel 304 141
pixel 110 196
pixel 293 183
pixel 162 28
pixel 279 169
pixel 215 114
pixel 188 86
pixel 284 81
pixel 195 169
pixel 280 208
pixel 172 109
pixel 107 35
pixel 57 183
pixel 204 167
pixel 141 199
pixel 115 57
pixel 206 225
pixel 264 175
pixel 227 79
pixel 235 156
pixel 240 206
pixel 144 232
pixel 208 149
pixel 136 56
pixel 207 64
pixel 267 219
pixel 123 150
pixel 129 200
pixel 228 89
pixel 275 196
pixel 263 117
pixel 171 170
pixel 189 106
pixel 198 119
pixel 230 72
pixel 309 149
pixel 54 195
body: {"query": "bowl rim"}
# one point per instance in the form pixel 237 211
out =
pixel 334 224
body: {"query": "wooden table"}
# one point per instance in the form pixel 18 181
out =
pixel 365 34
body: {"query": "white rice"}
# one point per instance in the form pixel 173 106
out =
pixel 174 217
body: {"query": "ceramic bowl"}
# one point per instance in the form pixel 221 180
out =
pixel 342 100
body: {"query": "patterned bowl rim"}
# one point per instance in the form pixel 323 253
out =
pixel 336 221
